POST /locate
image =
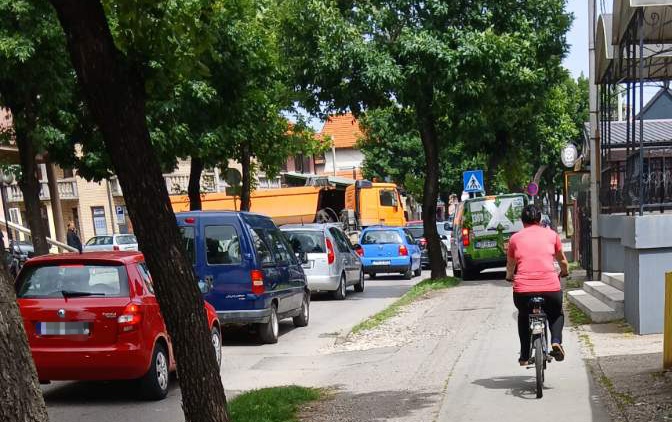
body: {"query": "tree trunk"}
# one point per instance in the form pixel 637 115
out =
pixel 430 144
pixel 194 189
pixel 30 187
pixel 502 146
pixel 20 396
pixel 246 186
pixel 114 92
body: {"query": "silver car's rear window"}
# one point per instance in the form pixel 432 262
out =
pixel 306 241
pixel 74 280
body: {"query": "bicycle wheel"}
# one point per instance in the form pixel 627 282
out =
pixel 539 363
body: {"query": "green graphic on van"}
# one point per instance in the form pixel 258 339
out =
pixel 491 222
pixel 500 214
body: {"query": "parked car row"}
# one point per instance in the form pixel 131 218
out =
pixel 93 316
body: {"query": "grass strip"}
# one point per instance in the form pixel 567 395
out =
pixel 576 315
pixel 276 404
pixel 414 293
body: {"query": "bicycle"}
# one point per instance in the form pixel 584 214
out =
pixel 538 342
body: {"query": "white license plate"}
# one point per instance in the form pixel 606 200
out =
pixel 381 262
pixel 62 328
pixel 486 244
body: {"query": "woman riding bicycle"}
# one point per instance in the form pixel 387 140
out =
pixel 530 267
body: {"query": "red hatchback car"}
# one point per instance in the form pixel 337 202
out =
pixel 94 317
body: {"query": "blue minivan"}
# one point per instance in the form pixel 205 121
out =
pixel 390 250
pixel 246 269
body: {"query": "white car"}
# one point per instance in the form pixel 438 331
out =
pixel 115 242
pixel 445 229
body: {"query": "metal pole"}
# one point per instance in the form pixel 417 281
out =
pixel 110 201
pixel 641 115
pixel 5 211
pixel 594 146
pixel 333 156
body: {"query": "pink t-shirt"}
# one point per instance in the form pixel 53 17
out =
pixel 534 250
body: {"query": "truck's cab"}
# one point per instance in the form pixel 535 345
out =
pixel 368 204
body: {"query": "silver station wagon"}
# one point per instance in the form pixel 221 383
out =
pixel 331 261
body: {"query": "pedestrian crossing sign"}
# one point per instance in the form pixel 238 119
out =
pixel 473 181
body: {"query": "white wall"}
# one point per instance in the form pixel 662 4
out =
pixel 346 158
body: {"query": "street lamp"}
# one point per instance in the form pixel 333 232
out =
pixel 6 179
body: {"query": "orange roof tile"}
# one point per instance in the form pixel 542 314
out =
pixel 343 130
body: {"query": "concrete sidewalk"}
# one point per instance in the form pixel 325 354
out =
pixel 488 384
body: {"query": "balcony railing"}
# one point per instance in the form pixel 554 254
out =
pixel 178 184
pixel 67 189
pixel 645 182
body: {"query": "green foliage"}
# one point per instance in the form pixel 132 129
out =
pixel 476 72
pixel 36 81
pixel 276 404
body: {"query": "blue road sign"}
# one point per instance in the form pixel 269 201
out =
pixel 473 181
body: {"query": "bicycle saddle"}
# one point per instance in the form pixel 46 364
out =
pixel 536 301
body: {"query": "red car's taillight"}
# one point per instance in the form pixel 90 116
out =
pixel 403 250
pixel 465 236
pixel 130 319
pixel 257 282
pixel 331 257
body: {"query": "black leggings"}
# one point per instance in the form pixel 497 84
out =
pixel 553 309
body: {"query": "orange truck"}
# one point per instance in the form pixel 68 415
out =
pixel 358 205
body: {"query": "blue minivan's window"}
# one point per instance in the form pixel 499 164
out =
pixel 261 248
pixel 189 242
pixel 374 237
pixel 222 245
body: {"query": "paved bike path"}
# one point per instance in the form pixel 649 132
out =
pixel 488 385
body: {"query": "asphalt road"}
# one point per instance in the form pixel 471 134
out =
pixel 246 365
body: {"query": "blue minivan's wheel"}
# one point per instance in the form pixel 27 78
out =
pixel 408 274
pixel 268 331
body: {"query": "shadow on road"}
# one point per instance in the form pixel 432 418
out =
pixel 235 335
pixel 368 407
pixel 98 393
pixel 521 386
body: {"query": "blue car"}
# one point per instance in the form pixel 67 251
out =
pixel 390 250
pixel 246 269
